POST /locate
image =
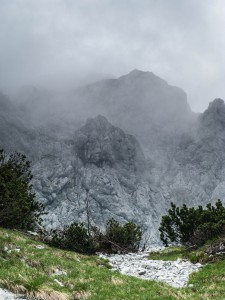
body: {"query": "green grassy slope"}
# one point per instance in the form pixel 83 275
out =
pixel 29 269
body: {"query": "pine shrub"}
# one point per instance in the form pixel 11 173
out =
pixel 192 226
pixel 18 207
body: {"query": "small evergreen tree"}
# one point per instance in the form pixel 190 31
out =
pixel 192 226
pixel 18 207
pixel 116 238
pixel 73 237
pixel 120 238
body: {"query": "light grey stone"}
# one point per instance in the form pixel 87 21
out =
pixel 33 233
pixel 58 272
pixel 6 295
pixel 59 282
pixel 39 247
pixel 175 273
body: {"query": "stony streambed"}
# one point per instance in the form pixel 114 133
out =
pixel 174 273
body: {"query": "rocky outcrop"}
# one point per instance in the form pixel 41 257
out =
pixel 196 171
pixel 102 144
pixel 212 121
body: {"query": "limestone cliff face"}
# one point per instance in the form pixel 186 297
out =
pixel 153 151
pixel 196 168
pixel 100 173
pixel 102 144
pixel 212 121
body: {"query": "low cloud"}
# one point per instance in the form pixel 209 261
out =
pixel 181 41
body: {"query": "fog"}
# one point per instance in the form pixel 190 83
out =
pixel 70 42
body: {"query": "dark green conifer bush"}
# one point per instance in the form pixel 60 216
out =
pixel 192 226
pixel 18 207
pixel 117 238
pixel 73 237
pixel 120 237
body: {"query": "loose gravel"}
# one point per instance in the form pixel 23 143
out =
pixel 174 273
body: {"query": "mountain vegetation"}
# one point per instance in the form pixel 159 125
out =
pixel 192 226
pixel 32 268
pixel 18 206
pixel 117 238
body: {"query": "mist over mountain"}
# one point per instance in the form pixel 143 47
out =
pixel 12 128
pixel 122 148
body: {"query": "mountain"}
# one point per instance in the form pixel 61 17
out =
pixel 122 148
pixel 136 102
pixel 100 173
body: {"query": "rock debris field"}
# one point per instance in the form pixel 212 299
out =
pixel 174 273
pixel 6 295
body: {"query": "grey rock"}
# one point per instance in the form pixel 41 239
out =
pixel 141 272
pixel 156 151
pixel 39 247
pixel 6 295
pixel 59 282
pixel 33 233
pixel 175 273
pixel 58 272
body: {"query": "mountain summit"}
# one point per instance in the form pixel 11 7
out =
pixel 100 143
pixel 136 102
pixel 136 74
pixel 215 113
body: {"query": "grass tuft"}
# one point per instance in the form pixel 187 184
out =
pixel 117 281
pixel 46 295
pixel 170 253
pixel 81 295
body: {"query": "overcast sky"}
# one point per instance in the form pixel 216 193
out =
pixel 182 41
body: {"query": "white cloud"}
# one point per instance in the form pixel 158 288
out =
pixel 181 41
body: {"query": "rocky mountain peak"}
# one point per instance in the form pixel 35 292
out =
pixel 98 123
pixel 216 106
pixel 100 143
pixel 137 73
pixel 139 76
pixel 214 116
